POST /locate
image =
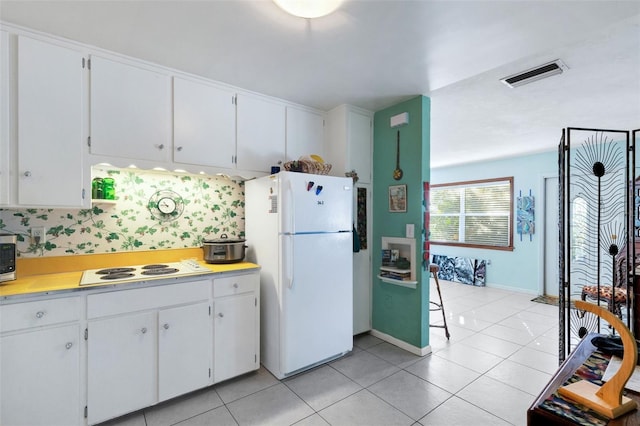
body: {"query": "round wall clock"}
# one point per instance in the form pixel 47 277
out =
pixel 166 205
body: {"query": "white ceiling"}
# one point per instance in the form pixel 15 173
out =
pixel 375 53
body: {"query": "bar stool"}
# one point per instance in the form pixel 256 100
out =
pixel 433 269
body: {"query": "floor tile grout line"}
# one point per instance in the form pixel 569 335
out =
pixel 333 403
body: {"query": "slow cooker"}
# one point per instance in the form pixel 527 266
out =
pixel 224 250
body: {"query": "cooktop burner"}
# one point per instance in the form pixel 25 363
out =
pixel 115 275
pixel 114 271
pixel 143 272
pixel 159 271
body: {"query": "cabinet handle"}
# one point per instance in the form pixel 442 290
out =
pixel 69 345
pixel 179 149
pixel 39 314
pixel 235 285
pixel 144 330
pixel 221 315
pixel 161 146
pixel 27 173
pixel 166 326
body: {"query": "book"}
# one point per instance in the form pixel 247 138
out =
pixel 390 256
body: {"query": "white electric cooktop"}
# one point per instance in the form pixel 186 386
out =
pixel 142 272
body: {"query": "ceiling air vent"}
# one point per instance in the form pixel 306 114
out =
pixel 535 73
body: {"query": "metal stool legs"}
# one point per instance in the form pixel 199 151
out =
pixel 438 306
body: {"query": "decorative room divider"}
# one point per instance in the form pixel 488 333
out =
pixel 597 230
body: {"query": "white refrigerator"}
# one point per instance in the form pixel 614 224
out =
pixel 299 230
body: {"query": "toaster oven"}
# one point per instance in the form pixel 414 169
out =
pixel 7 257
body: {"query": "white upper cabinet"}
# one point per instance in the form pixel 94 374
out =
pixel 77 106
pixel 260 133
pixel 305 133
pixel 130 111
pixel 50 115
pixel 360 139
pixel 204 124
pixel 4 118
pixel 350 141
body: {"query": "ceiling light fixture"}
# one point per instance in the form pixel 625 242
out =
pixel 308 8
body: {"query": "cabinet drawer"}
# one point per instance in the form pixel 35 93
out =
pixel 124 301
pixel 35 314
pixel 228 286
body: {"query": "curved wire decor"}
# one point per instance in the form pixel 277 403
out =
pixel 595 171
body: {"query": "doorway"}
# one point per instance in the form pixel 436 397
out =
pixel 551 237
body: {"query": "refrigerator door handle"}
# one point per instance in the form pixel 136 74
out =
pixel 288 259
pixel 292 204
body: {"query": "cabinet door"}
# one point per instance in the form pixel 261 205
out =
pixel 359 137
pixel 184 349
pixel 235 331
pixel 304 132
pixel 130 111
pixel 122 366
pixel 50 108
pixel 204 124
pixel 260 133
pixel 4 118
pixel 40 377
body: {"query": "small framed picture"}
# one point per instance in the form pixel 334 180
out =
pixel 398 198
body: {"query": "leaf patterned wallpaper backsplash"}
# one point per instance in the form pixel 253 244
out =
pixel 207 207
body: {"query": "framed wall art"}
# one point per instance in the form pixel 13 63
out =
pixel 398 198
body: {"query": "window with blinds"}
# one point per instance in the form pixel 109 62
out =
pixel 476 214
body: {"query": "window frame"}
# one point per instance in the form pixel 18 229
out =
pixel 477 183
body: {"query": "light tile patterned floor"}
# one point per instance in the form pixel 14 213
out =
pixel 497 339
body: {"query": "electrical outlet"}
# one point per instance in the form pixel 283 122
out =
pixel 38 234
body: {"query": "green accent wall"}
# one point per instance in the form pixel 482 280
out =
pixel 401 312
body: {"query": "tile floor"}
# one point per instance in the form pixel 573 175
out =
pixel 503 350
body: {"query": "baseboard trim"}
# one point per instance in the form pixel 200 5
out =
pixel 401 344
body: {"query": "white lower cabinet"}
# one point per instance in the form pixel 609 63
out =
pixel 234 336
pixel 236 325
pixel 40 377
pixel 140 346
pixel 184 349
pixel 151 344
pixel 146 345
pixel 122 365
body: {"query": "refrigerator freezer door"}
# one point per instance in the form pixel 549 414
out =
pixel 317 299
pixel 315 203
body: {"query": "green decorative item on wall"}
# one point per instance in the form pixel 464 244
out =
pixel 397 173
pixel 166 205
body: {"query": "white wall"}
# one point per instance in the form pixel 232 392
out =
pixel 520 269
